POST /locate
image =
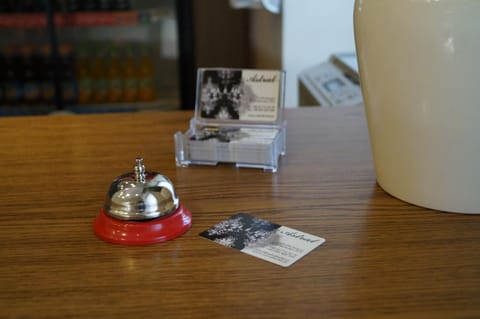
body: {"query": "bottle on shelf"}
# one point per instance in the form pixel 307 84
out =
pixel 14 6
pixel 26 6
pixel 146 75
pixel 47 83
pixel 32 93
pixel 67 75
pixel 121 5
pixel 96 5
pixel 2 77
pixel 88 5
pixel 84 75
pixel 99 76
pixel 13 84
pixel 130 77
pixel 5 6
pixel 115 81
pixel 72 5
pixel 106 5
pixel 30 6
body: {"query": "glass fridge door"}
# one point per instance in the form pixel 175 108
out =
pixel 100 56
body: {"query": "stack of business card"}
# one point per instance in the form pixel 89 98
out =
pixel 238 119
pixel 245 145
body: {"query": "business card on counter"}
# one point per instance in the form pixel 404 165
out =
pixel 277 244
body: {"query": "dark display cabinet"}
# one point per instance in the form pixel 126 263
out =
pixel 96 56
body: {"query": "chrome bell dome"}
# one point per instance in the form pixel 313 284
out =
pixel 141 195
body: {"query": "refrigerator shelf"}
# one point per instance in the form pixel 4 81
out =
pixel 83 19
pixel 164 104
pixel 158 105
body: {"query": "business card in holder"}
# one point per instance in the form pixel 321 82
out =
pixel 238 119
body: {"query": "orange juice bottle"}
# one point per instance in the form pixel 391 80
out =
pixel 115 81
pixel 84 76
pixel 99 76
pixel 130 79
pixel 146 75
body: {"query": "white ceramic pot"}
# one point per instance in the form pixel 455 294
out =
pixel 419 63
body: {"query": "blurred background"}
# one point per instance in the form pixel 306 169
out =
pixel 95 56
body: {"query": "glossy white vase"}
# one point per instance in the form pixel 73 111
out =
pixel 419 63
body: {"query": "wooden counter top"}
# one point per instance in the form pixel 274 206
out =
pixel 383 258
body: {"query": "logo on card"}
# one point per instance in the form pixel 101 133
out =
pixel 260 78
pixel 299 235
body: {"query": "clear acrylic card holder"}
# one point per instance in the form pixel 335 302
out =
pixel 238 119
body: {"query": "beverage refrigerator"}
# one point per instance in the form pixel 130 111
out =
pixel 95 56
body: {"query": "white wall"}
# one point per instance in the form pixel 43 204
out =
pixel 305 34
pixel 312 30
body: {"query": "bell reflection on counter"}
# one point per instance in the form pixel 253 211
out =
pixel 141 208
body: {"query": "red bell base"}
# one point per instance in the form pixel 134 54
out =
pixel 142 232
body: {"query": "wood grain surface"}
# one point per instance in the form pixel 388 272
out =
pixel 383 258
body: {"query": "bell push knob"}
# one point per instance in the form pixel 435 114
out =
pixel 141 208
